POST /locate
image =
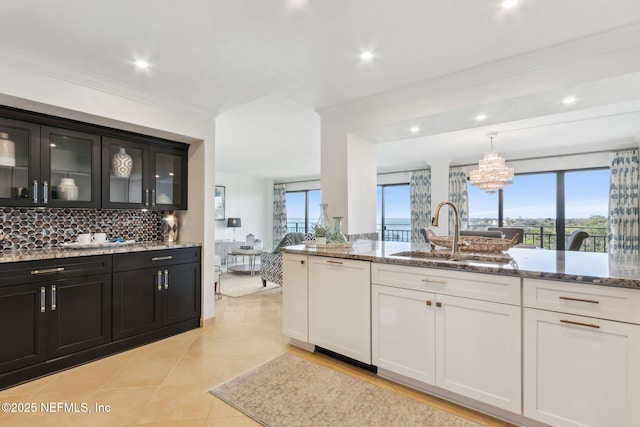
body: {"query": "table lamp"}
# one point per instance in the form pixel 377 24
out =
pixel 234 223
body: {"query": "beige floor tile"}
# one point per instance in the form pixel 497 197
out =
pixel 142 372
pixel 178 403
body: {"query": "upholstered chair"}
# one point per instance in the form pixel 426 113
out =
pixel 271 262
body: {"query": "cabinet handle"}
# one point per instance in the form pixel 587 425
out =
pixel 301 261
pixel 43 299
pixel 161 258
pixel 146 197
pixel 35 191
pixel 334 262
pixel 438 304
pixel 153 197
pixel 429 303
pixel 588 325
pixel 47 270
pixel 166 279
pixel 45 192
pixel 53 297
pixel 159 280
pixel 590 301
pixel 439 282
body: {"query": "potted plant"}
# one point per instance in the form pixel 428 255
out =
pixel 320 233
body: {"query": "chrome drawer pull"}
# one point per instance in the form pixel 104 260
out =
pixel 590 301
pixel 159 280
pixel 161 258
pixel 334 262
pixel 47 270
pixel 45 192
pixel 166 279
pixel 588 325
pixel 35 191
pixel 439 282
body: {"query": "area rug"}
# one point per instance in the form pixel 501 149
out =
pixel 234 285
pixel 290 391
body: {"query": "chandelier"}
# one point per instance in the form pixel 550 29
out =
pixel 492 174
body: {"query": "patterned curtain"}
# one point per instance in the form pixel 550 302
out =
pixel 279 213
pixel 623 203
pixel 420 196
pixel 459 196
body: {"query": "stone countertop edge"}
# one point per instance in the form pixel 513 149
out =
pixel 56 253
pixel 568 266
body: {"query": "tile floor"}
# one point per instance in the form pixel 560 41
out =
pixel 166 383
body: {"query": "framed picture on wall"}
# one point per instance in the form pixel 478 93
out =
pixel 219 203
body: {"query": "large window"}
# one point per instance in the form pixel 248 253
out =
pixel 394 212
pixel 303 210
pixel 548 205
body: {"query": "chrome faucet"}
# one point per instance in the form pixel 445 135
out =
pixel 455 249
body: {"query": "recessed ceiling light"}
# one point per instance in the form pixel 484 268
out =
pixel 481 117
pixel 141 64
pixel 415 129
pixel 508 4
pixel 367 55
pixel 569 100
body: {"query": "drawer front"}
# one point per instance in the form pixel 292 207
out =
pixel 17 273
pixel 583 299
pixel 487 287
pixel 150 259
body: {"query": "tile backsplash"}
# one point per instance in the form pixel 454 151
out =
pixel 46 228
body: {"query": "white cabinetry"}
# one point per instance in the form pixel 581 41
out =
pixel 295 297
pixel 581 369
pixel 426 328
pixel 340 306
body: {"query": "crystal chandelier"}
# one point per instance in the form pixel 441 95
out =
pixel 492 174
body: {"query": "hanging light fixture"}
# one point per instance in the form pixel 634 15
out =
pixel 492 174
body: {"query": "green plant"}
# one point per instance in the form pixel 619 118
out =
pixel 320 231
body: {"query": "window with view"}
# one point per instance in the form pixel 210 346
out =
pixel 303 210
pixel 394 212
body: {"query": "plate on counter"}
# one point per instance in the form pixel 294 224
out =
pixel 93 245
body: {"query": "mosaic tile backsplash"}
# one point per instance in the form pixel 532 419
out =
pixel 46 228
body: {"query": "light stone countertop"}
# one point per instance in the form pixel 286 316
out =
pixel 582 267
pixel 42 254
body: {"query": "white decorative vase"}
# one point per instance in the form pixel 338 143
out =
pixel 170 227
pixel 122 164
pixel 7 151
pixel 68 190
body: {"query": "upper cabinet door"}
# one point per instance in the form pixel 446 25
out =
pixel 125 174
pixel 168 179
pixel 19 163
pixel 70 168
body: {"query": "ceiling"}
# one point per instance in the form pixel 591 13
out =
pixel 210 57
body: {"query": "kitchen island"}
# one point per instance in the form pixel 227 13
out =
pixel 546 338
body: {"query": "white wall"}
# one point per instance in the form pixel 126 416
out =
pixel 251 199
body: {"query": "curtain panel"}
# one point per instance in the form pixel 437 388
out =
pixel 279 213
pixel 420 197
pixel 624 218
pixel 459 196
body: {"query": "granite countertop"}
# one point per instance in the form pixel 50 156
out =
pixel 40 254
pixel 583 267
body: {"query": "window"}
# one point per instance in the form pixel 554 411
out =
pixel 394 212
pixel 548 205
pixel 303 210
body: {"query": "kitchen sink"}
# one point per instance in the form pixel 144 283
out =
pixel 495 258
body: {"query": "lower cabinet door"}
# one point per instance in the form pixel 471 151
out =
pixel 295 297
pixel 137 300
pixel 23 336
pixel 580 371
pixel 403 332
pixel 79 314
pixel 478 350
pixel 181 293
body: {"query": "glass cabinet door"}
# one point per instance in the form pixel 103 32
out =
pixel 70 168
pixel 125 169
pixel 19 157
pixel 169 182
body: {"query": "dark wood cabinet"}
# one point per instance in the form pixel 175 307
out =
pixel 155 289
pixel 155 179
pixel 54 307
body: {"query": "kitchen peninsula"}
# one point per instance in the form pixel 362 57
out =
pixel 547 338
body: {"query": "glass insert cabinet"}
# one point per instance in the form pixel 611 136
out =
pixel 57 166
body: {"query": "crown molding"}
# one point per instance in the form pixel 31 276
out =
pixel 591 46
pixel 84 78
